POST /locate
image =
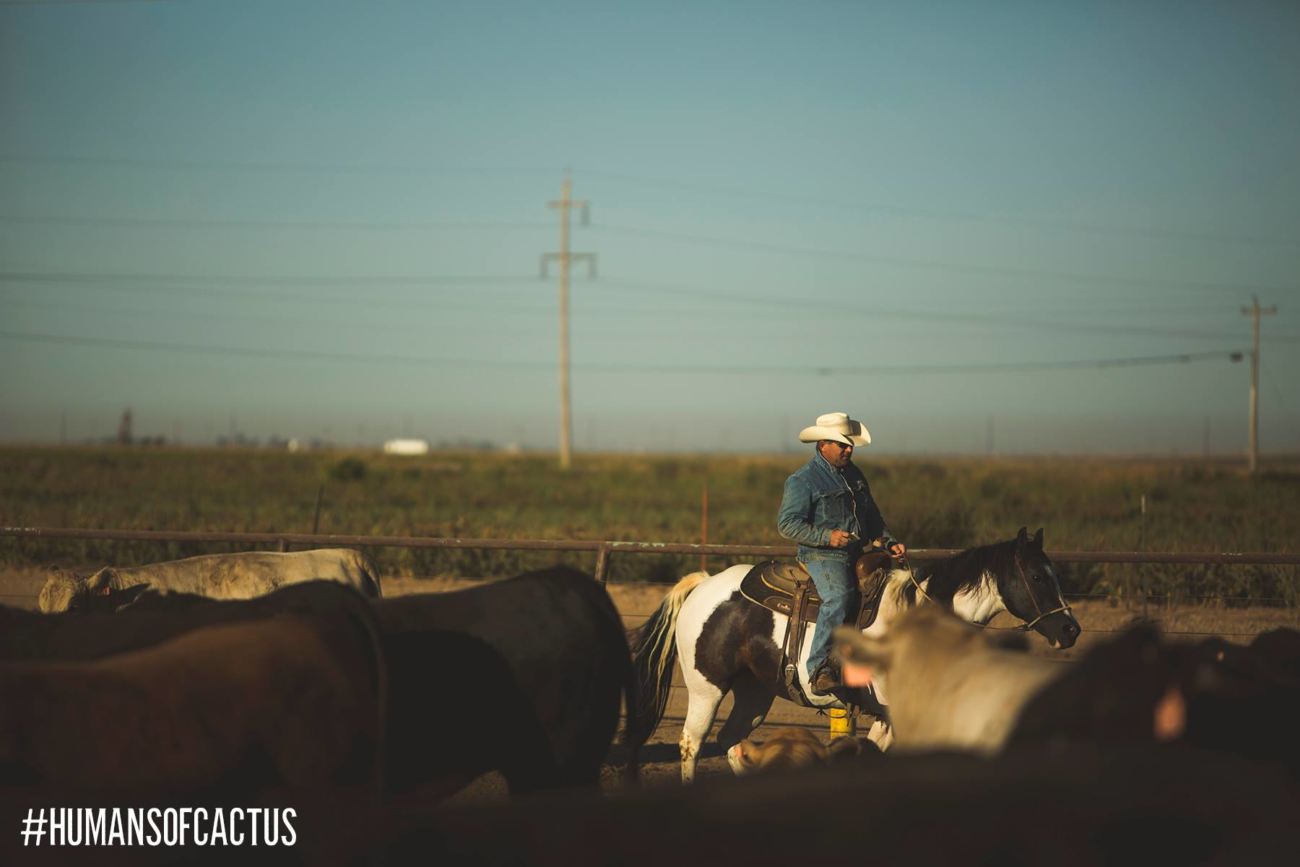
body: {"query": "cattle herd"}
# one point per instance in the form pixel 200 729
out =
pixel 285 679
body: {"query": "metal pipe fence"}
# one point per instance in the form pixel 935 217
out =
pixel 604 549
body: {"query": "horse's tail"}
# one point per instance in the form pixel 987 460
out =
pixel 654 651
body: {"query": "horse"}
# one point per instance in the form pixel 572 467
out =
pixel 727 643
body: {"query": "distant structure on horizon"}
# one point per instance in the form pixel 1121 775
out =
pixel 406 447
pixel 124 428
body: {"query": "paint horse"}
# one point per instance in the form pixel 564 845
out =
pixel 726 643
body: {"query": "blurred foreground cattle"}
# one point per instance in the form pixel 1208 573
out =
pixel 218 576
pixel 962 692
pixel 951 688
pixel 1211 694
pixel 1061 807
pixel 521 676
pixel 291 702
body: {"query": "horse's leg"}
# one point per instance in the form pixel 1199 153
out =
pixel 881 734
pixel 702 700
pixel 752 702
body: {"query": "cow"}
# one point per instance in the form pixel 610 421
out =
pixel 951 687
pixel 1211 694
pixel 292 702
pixel 154 617
pixel 789 748
pixel 219 576
pixel 521 676
pixel 1136 689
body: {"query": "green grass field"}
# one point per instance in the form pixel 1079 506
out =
pixel 1083 504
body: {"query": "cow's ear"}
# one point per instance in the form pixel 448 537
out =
pixel 1022 537
pixel 101 582
pixel 1038 539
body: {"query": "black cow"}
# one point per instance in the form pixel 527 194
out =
pixel 521 676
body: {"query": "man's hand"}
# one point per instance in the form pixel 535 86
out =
pixel 841 539
pixel 897 550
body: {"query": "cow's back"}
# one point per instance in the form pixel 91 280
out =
pixel 26 635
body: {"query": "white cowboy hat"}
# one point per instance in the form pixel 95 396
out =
pixel 836 426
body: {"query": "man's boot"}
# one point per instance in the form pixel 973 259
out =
pixel 825 679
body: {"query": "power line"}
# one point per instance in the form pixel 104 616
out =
pixel 263 318
pixel 169 283
pixel 657 183
pixel 740 243
pixel 264 279
pixel 203 223
pixel 881 312
pixel 936 265
pixel 963 216
pixel 623 367
pixel 269 167
pixel 71 2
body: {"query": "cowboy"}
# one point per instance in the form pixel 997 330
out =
pixel 827 508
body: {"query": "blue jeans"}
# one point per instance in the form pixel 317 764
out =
pixel 838 588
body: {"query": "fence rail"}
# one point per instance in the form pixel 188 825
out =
pixel 603 549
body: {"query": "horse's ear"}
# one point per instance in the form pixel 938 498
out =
pixel 1022 537
pixel 1038 539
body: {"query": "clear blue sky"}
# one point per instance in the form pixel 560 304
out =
pixel 324 219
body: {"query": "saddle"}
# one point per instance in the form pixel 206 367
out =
pixel 788 589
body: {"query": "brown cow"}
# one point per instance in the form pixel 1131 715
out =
pixel 292 701
pixel 789 748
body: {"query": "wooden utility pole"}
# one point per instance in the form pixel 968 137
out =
pixel 564 257
pixel 1254 311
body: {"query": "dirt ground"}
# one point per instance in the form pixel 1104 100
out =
pixel 659 760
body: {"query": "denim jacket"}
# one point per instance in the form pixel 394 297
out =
pixel 819 498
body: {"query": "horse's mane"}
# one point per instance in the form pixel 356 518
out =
pixel 963 571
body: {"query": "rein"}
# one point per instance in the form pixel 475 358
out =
pixel 1023 627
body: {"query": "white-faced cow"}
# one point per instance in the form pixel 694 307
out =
pixel 217 576
pixel 950 687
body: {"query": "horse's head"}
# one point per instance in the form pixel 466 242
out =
pixel 1032 592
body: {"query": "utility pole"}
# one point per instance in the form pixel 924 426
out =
pixel 1254 311
pixel 564 257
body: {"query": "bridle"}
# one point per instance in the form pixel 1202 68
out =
pixel 1020 568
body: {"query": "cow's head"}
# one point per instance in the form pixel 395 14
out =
pixel 786 748
pixel 790 748
pixel 66 591
pixel 1031 591
pixel 928 628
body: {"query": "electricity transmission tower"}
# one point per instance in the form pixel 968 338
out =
pixel 566 203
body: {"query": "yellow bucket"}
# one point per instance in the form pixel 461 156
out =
pixel 842 725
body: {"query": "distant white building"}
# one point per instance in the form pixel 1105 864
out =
pixel 406 447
